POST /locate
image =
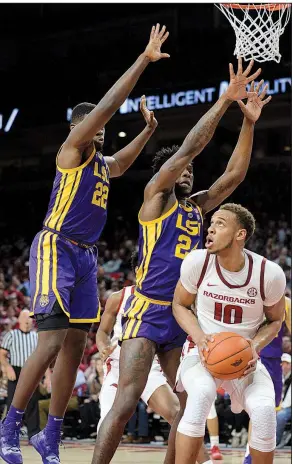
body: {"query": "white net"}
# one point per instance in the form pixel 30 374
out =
pixel 257 28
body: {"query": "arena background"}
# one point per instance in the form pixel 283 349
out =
pixel 53 56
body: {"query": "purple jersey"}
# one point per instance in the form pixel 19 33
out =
pixel 274 349
pixel 163 244
pixel 78 203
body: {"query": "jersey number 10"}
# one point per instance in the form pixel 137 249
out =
pixel 230 315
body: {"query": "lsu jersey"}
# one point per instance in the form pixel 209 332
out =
pixel 78 203
pixel 163 244
pixel 274 349
pixel 231 301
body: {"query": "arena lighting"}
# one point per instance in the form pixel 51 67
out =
pixel 122 134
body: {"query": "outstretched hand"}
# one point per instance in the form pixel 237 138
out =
pixel 157 38
pixel 147 114
pixel 255 103
pixel 238 82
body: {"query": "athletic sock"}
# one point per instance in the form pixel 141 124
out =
pixel 14 415
pixel 54 423
pixel 247 451
pixel 214 440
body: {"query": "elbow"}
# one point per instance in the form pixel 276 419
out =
pixel 175 310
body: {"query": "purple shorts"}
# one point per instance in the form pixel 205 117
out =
pixel 273 365
pixel 63 272
pixel 154 321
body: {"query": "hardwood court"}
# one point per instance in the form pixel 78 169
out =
pixel 81 453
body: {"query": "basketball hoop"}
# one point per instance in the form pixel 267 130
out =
pixel 258 28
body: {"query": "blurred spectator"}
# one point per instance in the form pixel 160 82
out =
pixel 284 415
pixel 113 265
pixel 19 344
pixel 80 389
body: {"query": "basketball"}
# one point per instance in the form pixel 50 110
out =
pixel 228 356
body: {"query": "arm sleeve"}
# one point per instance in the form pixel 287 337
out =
pixel 191 269
pixel 275 283
pixel 7 340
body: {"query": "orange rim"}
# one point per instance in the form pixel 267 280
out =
pixel 264 6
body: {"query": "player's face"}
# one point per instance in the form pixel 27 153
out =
pixel 184 183
pixel 99 139
pixel 223 232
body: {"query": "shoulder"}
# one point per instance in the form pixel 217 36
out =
pixel 195 260
pixel 273 271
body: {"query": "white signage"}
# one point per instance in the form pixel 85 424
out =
pixel 193 97
pixel 10 120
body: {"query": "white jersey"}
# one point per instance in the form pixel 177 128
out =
pixel 231 301
pixel 117 330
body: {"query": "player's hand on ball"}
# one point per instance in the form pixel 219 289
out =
pixel 202 346
pixel 238 82
pixel 147 114
pixel 251 366
pixel 255 103
pixel 107 351
pixel 157 38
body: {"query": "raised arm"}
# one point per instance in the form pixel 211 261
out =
pixel 82 134
pixel 103 337
pixel 239 162
pixel 124 158
pixel 201 133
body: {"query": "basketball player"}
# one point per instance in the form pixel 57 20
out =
pixel 169 227
pixel 270 357
pixel 63 258
pixel 157 394
pixel 235 288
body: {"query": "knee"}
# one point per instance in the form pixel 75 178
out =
pixel 197 408
pixel 125 404
pixel 263 421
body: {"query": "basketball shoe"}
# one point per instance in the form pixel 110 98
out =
pixel 46 443
pixel 9 442
pixel 216 453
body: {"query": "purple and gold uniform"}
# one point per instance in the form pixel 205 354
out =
pixel 163 244
pixel 270 357
pixel 63 256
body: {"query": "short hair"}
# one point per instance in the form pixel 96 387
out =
pixel 244 217
pixel 134 260
pixel 81 110
pixel 162 156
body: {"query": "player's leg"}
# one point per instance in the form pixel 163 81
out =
pixel 170 361
pixel 259 402
pixel 158 394
pixel 136 358
pixel 201 390
pixel 165 403
pixel 108 393
pixel 213 429
pixel 65 369
pixel 273 366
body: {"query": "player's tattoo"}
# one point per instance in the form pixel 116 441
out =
pixel 223 186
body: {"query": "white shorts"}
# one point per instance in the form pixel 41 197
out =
pixel 108 391
pixel 259 383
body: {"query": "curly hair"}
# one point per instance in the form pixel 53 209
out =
pixel 244 217
pixel 162 156
pixel 81 110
